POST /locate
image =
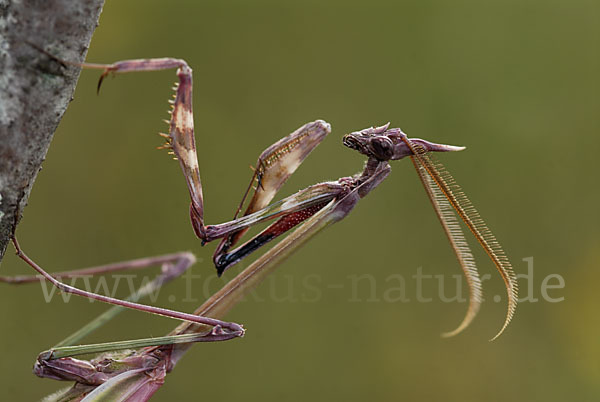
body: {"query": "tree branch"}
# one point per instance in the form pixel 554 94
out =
pixel 35 90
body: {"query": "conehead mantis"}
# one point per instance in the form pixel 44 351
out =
pixel 136 375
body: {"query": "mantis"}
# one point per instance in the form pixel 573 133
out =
pixel 137 374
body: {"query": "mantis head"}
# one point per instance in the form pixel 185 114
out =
pixel 384 143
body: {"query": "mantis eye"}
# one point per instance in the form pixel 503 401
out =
pixel 383 148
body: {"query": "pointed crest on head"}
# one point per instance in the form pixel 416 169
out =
pixel 384 143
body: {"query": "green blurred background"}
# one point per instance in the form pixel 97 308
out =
pixel 514 81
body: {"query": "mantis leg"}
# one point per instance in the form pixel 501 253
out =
pixel 57 362
pixel 224 260
pixel 58 359
pixel 274 166
pixel 353 190
pixel 148 366
pixel 235 328
pixel 166 261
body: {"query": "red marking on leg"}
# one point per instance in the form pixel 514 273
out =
pixel 289 221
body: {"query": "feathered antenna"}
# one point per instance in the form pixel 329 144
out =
pixel 459 244
pixel 438 179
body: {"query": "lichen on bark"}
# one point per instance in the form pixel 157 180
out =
pixel 35 90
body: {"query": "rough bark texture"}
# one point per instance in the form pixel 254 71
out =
pixel 35 89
